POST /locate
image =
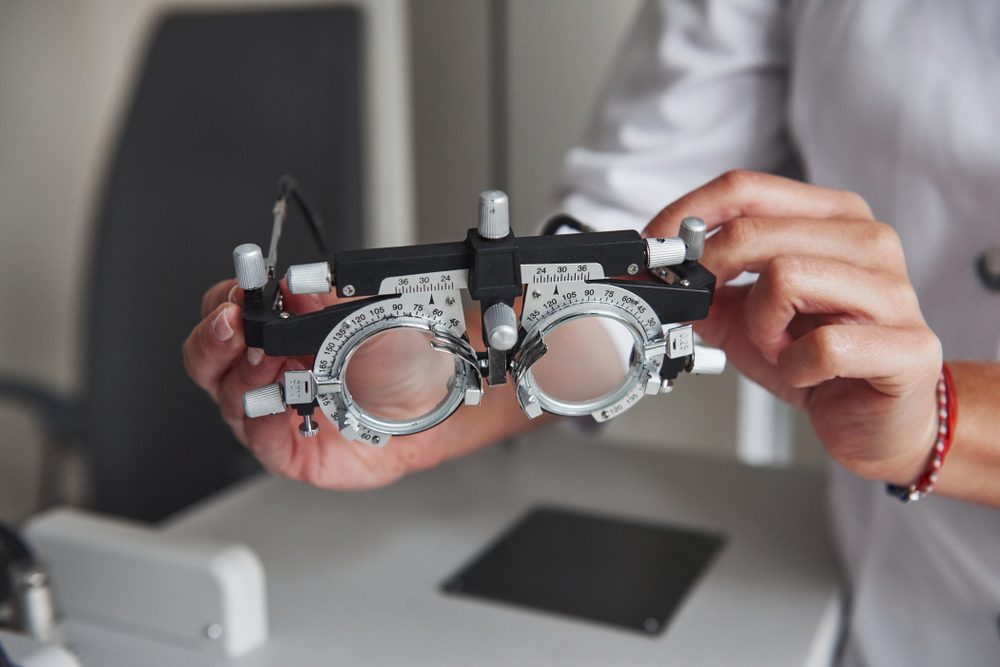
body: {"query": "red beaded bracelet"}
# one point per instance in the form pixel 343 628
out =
pixel 947 416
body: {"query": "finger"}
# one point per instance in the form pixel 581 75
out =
pixel 725 328
pixel 748 244
pixel 219 293
pixel 213 346
pixel 790 286
pixel 892 359
pixel 740 194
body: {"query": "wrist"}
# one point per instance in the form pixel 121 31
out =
pixel 946 414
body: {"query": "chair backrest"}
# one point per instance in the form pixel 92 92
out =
pixel 225 103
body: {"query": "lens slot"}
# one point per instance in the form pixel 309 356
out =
pixel 396 375
pixel 586 359
pixel 564 344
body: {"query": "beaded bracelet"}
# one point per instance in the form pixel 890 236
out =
pixel 947 416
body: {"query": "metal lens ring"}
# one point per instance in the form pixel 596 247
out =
pixel 542 316
pixel 438 314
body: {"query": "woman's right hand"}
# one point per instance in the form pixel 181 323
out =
pixel 394 375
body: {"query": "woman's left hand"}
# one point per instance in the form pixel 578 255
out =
pixel 832 324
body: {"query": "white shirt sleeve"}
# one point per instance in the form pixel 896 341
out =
pixel 700 87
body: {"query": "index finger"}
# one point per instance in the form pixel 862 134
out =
pixel 218 294
pixel 739 194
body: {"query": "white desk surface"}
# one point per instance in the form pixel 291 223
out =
pixel 353 578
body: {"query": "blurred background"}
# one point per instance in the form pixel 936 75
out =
pixel 458 96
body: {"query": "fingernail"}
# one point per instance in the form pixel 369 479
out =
pixel 232 294
pixel 255 355
pixel 221 328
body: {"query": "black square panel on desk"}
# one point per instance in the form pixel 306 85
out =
pixel 629 574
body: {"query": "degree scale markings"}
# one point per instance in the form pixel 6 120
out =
pixel 553 298
pixel 542 274
pixel 434 281
pixel 431 307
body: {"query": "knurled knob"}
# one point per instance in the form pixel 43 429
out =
pixel 665 252
pixel 494 214
pixel 500 325
pixel 693 232
pixel 312 278
pixel 263 401
pixel 251 272
pixel 708 361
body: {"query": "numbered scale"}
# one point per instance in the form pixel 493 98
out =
pixel 558 278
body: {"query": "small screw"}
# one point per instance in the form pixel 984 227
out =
pixel 348 290
pixel 651 625
pixel 633 269
pixel 283 315
pixel 535 294
pixel 376 440
pixel 450 301
pixel 213 631
pixel 308 427
pixel 685 282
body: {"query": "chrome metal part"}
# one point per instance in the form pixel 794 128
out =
pixel 34 608
pixel 662 252
pixel 500 325
pixel 708 361
pixel 494 214
pixel 554 307
pixel 308 427
pixel 278 213
pixel 693 233
pixel 315 278
pixel 251 271
pixel 680 341
pixel 419 311
pixel 264 401
pixel 300 388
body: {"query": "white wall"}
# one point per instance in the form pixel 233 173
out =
pixel 65 75
pixel 62 67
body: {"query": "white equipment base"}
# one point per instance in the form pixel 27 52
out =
pixel 353 578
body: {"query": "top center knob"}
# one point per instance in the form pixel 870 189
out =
pixel 494 214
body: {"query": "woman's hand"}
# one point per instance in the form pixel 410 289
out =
pixel 394 375
pixel 832 324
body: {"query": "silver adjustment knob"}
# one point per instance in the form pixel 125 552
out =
pixel 693 232
pixel 494 215
pixel 251 271
pixel 665 252
pixel 264 401
pixel 708 361
pixel 308 427
pixel 500 325
pixel 33 605
pixel 313 278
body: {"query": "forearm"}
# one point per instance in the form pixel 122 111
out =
pixel 971 470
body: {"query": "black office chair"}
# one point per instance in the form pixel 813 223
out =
pixel 226 102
